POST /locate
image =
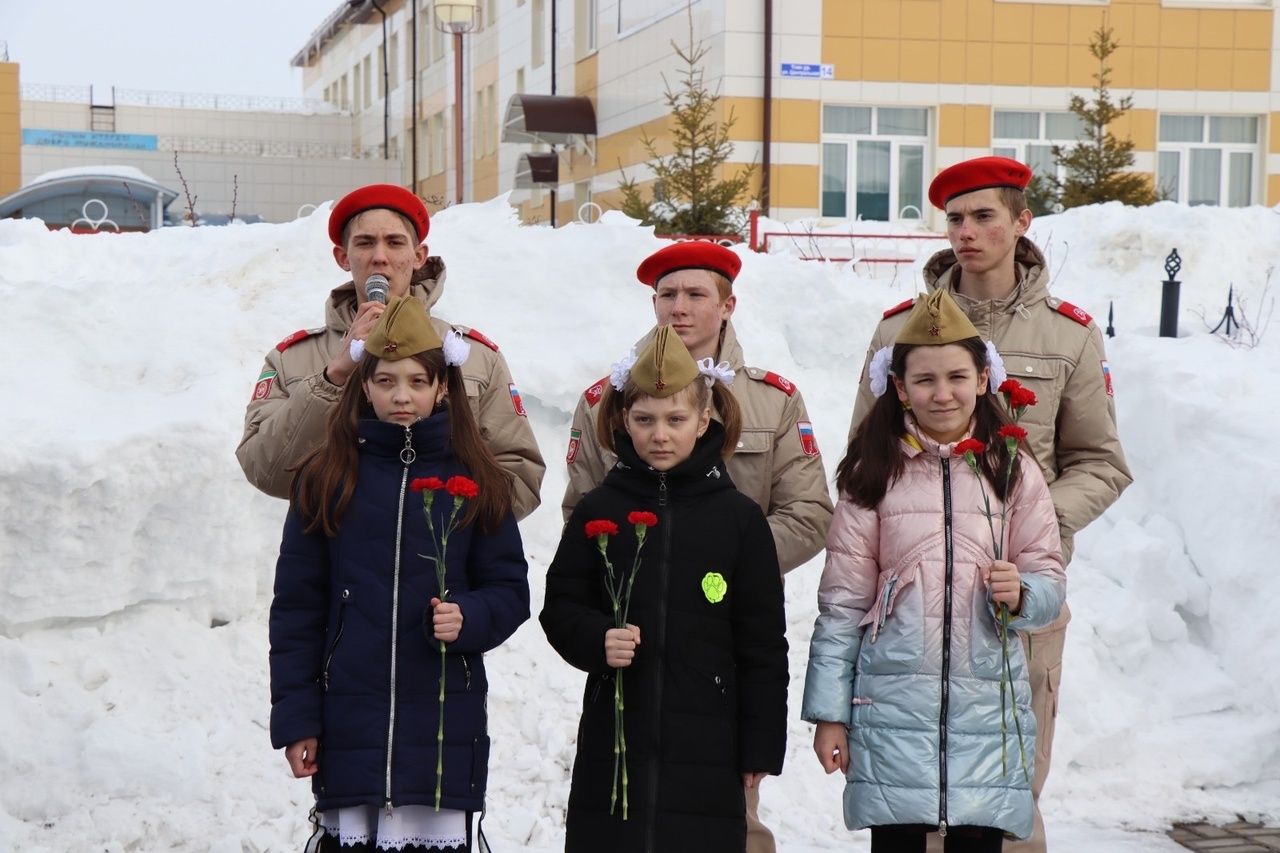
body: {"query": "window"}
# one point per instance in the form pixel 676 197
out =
pixel 437 37
pixel 485 124
pixel 344 102
pixel 393 61
pixel 537 33
pixel 356 88
pixel 1029 137
pixel 1205 159
pixel 366 96
pixel 873 162
pixel 585 15
pixel 520 80
pixel 424 36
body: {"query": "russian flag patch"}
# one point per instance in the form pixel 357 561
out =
pixel 808 443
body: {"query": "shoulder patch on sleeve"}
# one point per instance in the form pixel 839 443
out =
pixel 596 391
pixel 768 377
pixel 1066 309
pixel 899 308
pixel 301 334
pixel 476 336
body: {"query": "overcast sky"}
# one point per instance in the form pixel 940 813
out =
pixel 234 47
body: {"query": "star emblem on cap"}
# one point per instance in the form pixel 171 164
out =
pixel 934 331
pixel 390 347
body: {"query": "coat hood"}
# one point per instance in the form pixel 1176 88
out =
pixel 942 270
pixel 426 285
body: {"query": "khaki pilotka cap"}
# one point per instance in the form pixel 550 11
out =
pixel 934 320
pixel 403 330
pixel 665 367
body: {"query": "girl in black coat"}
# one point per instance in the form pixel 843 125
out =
pixel 361 628
pixel 703 656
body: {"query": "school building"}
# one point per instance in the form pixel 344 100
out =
pixel 847 107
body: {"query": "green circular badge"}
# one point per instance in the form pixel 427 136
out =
pixel 714 587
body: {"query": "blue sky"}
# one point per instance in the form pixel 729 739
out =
pixel 236 47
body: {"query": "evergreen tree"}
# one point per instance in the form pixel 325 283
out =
pixel 1097 168
pixel 690 197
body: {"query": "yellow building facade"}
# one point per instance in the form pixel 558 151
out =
pixel 866 99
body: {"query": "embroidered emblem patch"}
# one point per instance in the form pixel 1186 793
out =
pixel 808 443
pixel 595 392
pixel 575 441
pixel 515 399
pixel 1106 377
pixel 265 380
pixel 780 382
pixel 714 587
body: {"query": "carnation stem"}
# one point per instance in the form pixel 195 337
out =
pixel 440 730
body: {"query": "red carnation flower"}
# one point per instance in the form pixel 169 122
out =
pixel 969 445
pixel 601 527
pixel 1022 397
pixel 462 487
pixel 1013 431
pixel 1009 386
pixel 648 519
pixel 426 484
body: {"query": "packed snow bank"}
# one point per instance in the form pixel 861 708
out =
pixel 128 529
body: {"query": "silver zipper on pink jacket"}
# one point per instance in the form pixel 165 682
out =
pixel 407 455
pixel 946 649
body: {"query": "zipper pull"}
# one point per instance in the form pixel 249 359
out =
pixel 467 669
pixel 942 829
pixel 408 454
pixel 662 489
pixel 388 807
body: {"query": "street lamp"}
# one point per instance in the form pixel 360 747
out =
pixel 457 17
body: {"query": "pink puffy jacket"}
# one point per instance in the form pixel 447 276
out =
pixel 925 728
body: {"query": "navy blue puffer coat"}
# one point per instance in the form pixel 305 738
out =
pixel 351 663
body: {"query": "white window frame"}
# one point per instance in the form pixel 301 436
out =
pixel 632 27
pixel 1226 149
pixel 896 143
pixel 1018 147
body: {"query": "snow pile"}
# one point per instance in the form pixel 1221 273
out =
pixel 136 563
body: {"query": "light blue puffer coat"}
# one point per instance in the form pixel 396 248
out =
pixel 902 585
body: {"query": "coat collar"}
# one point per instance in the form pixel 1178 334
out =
pixel 915 441
pixel 427 286
pixel 702 473
pixel 1029 266
pixel 429 436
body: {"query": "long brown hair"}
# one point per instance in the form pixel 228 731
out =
pixel 873 461
pixel 613 406
pixel 325 479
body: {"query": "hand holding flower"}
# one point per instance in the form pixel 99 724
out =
pixel 446 620
pixel 620 645
pixel 1002 578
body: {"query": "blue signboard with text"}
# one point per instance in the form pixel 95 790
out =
pixel 812 70
pixel 89 139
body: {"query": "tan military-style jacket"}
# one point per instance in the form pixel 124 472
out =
pixel 1056 350
pixel 286 417
pixel 777 463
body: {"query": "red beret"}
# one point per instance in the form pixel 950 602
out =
pixel 979 173
pixel 388 196
pixel 688 255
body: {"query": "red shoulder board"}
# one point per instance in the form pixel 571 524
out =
pixel 784 385
pixel 1066 309
pixel 595 392
pixel 476 336
pixel 899 308
pixel 301 334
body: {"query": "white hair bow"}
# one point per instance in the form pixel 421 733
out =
pixel 879 370
pixel 456 349
pixel 620 371
pixel 712 371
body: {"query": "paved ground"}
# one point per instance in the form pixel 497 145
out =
pixel 1232 838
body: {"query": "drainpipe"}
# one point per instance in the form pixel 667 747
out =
pixel 554 3
pixel 767 132
pixel 413 94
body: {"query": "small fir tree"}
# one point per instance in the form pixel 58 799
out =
pixel 1097 168
pixel 689 196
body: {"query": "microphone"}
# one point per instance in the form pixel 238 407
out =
pixel 376 288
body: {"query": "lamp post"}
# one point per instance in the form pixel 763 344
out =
pixel 457 17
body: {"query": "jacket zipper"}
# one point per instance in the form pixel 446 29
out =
pixel 946 649
pixel 663 567
pixel 407 455
pixel 328 660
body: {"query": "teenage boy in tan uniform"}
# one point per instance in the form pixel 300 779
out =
pixel 999 278
pixel 375 229
pixel 776 464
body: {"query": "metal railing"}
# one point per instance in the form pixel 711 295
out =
pixel 178 100
pixel 267 147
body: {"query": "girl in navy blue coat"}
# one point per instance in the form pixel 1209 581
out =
pixel 359 618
